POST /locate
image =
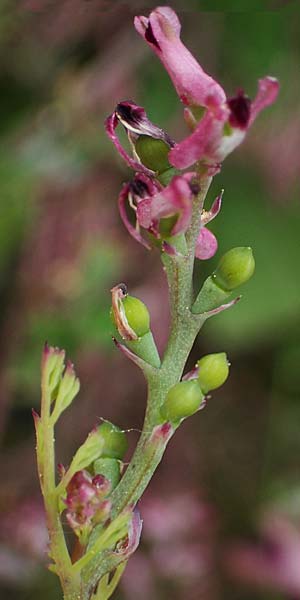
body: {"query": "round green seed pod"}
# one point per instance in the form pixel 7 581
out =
pixel 110 468
pixel 182 400
pixel 234 268
pixel 153 153
pixel 137 315
pixel 115 442
pixel 213 371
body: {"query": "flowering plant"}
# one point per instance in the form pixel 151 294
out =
pixel 162 207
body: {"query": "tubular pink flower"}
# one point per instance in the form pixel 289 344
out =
pixel 226 121
pixel 210 142
pixel 175 199
pixel 162 32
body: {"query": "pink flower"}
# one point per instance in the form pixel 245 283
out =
pixel 166 212
pixel 226 121
pixel 162 32
pixel 86 502
pixel 152 204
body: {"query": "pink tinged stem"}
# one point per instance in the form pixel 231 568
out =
pixel 162 32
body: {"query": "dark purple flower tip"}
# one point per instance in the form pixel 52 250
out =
pixel 150 37
pixel 240 110
pixel 138 187
pixel 130 113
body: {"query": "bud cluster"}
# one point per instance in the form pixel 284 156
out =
pixel 186 397
pixel 87 503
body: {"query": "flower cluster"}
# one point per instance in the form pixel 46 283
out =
pixel 86 502
pixel 160 195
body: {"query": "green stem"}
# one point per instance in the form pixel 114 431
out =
pixel 184 329
pixel 46 461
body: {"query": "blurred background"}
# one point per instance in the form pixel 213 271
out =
pixel 222 515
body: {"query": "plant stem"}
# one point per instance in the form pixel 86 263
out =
pixel 184 329
pixel 46 461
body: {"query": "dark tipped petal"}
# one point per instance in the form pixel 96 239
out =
pixel 139 188
pixel 240 109
pixel 150 37
pixel 130 113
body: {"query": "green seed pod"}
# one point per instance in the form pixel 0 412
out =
pixel 137 315
pixel 110 468
pixel 153 153
pixel 183 400
pixel 234 268
pixel 130 315
pixel 213 371
pixel 115 442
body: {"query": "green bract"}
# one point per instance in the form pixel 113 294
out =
pixel 213 371
pixel 115 442
pixel 234 268
pixel 182 400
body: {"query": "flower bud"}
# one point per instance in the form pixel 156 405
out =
pixel 234 268
pixel 183 400
pixel 110 468
pixel 153 153
pixel 115 442
pixel 213 371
